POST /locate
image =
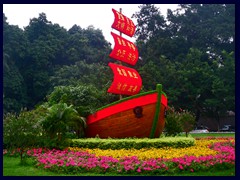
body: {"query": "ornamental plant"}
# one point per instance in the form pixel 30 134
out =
pixel 81 161
pixel 21 131
pixel 187 120
pixel 207 155
pixel 60 119
pixel 173 125
pixel 84 98
pixel 179 121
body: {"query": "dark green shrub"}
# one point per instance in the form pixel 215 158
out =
pixel 177 122
pixel 187 121
pixel 173 124
pixel 85 98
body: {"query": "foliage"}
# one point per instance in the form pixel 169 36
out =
pixel 14 90
pixel 149 21
pixel 186 58
pixel 190 52
pixel 179 121
pixel 221 98
pixel 60 119
pixel 74 162
pixel 151 152
pixel 188 121
pixel 21 131
pixel 208 154
pixel 11 167
pixel 34 54
pixel 85 98
pixel 208 27
pixel 173 125
pixel 133 143
pixel 95 74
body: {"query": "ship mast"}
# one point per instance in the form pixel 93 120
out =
pixel 120 33
pixel 126 81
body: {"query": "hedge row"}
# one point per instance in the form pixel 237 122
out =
pixel 92 143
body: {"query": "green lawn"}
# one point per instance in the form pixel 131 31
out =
pixel 212 134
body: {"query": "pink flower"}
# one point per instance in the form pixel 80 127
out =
pixel 139 170
pixel 180 166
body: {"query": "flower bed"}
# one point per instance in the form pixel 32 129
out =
pixel 207 154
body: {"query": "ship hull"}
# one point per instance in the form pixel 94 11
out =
pixel 139 116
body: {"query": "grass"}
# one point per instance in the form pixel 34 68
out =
pixel 198 135
pixel 12 166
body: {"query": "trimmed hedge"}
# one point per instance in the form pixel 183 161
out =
pixel 92 143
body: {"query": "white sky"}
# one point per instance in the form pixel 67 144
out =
pixel 83 15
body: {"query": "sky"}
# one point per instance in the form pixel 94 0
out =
pixel 83 15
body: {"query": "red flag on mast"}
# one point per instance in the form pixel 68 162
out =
pixel 126 80
pixel 124 50
pixel 123 24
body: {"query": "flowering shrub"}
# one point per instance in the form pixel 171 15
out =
pixel 207 154
pixel 179 121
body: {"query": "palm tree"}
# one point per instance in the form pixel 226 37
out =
pixel 60 118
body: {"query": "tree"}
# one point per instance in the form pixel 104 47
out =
pixel 182 54
pixel 82 73
pixel 173 125
pixel 14 91
pixel 22 131
pixel 59 119
pixel 208 27
pixel 85 98
pixel 45 52
pixel 188 121
pixel 149 22
pixel 222 96
pixel 88 45
pixel 38 27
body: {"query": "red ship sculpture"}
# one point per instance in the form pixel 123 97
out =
pixel 139 115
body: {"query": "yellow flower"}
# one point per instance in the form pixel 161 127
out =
pixel 201 148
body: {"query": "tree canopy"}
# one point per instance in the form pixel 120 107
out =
pixel 190 52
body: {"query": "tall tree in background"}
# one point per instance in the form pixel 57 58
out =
pixel 14 44
pixel 188 48
pixel 222 96
pixel 87 45
pixel 33 55
pixel 208 27
pixel 46 43
pixel 150 24
pixel 190 52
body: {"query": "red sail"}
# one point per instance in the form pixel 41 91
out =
pixel 126 80
pixel 124 50
pixel 123 24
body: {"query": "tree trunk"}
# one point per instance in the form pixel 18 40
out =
pixel 217 118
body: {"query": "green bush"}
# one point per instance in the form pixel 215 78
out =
pixel 92 143
pixel 21 131
pixel 177 122
pixel 85 98
pixel 173 124
pixel 187 120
